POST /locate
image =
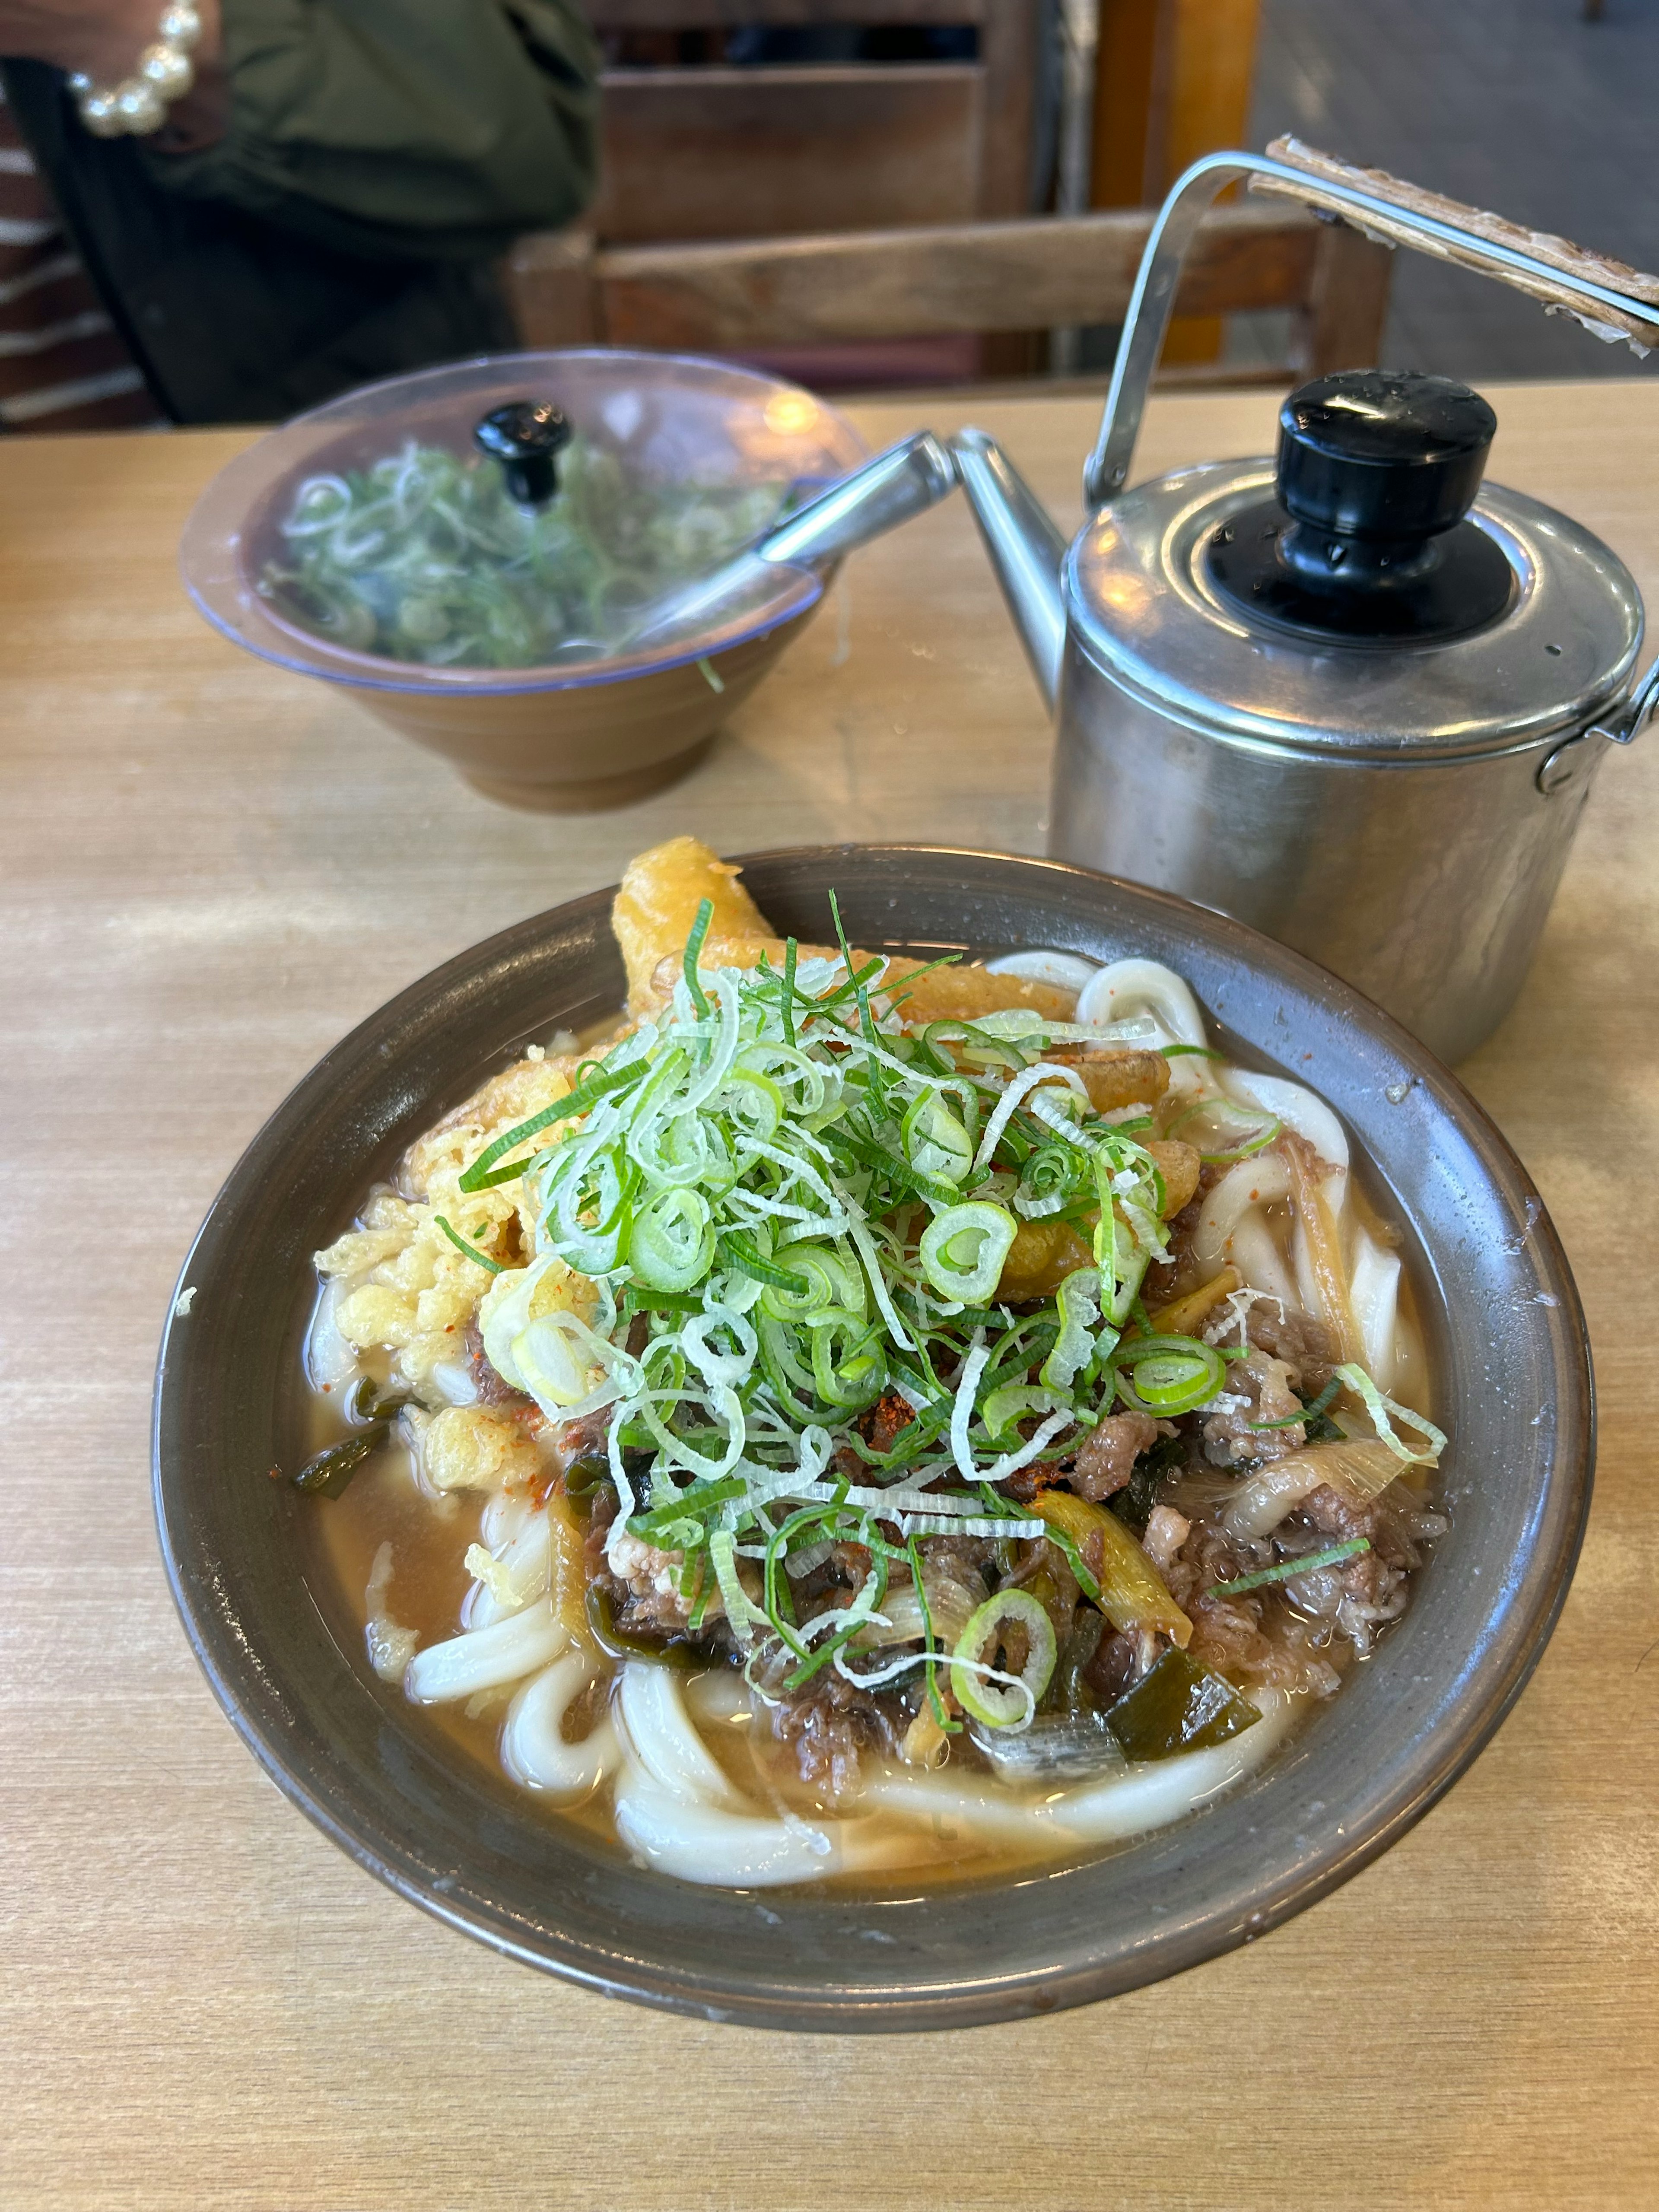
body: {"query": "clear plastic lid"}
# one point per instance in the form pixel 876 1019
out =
pixel 369 541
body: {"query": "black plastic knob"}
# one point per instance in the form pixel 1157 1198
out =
pixel 1369 538
pixel 1382 453
pixel 526 437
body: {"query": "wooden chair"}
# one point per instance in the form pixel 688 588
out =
pixel 711 152
pixel 756 294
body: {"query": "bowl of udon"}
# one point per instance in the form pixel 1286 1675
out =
pixel 371 544
pixel 882 1438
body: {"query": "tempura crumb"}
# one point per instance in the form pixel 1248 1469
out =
pixel 464 1448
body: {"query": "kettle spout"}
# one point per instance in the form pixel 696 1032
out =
pixel 1026 549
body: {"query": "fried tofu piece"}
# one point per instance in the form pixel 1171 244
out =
pixel 1115 1078
pixel 1042 1255
pixel 528 1087
pixel 961 993
pixel 966 991
pixel 657 905
pixel 657 902
pixel 1180 1167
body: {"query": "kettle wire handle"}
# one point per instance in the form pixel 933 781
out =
pixel 1636 710
pixel 1613 301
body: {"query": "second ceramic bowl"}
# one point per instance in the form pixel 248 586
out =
pixel 566 739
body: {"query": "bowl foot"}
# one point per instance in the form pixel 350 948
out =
pixel 595 793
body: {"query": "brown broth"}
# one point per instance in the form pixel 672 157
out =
pixel 429 1539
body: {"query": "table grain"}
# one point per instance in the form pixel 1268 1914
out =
pixel 209 871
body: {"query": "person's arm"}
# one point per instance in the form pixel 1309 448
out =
pixel 418 128
pixel 101 37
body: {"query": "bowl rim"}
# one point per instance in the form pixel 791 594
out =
pixel 211 544
pixel 1483 1698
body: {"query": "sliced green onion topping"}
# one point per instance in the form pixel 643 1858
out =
pixel 744 1256
pixel 484 1174
pixel 1170 1375
pixel 994 1695
pixel 1264 1129
pixel 672 1240
pixel 1077 1299
pixel 693 945
pixel 936 1141
pixel 849 1364
pixel 964 1248
pixel 1013 1402
pixel 771 1189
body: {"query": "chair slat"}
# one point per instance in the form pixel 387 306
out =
pixel 921 281
pixel 730 14
pixel 713 152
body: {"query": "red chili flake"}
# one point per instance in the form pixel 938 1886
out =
pixel 276 1474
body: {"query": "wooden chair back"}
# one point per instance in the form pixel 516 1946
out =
pixel 706 151
pixel 756 293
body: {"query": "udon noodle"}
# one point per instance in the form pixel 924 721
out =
pixel 867 1417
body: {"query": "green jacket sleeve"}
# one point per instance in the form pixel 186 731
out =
pixel 394 128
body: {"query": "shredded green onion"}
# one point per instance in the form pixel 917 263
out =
pixel 1309 1412
pixel 1380 1408
pixel 788 1207
pixel 423 556
pixel 693 945
pixel 479 1258
pixel 1267 1128
pixel 484 1174
pixel 1287 1569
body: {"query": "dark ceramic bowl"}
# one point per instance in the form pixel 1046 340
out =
pixel 1505 1336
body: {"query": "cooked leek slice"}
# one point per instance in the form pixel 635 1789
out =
pixel 1183 1315
pixel 1380 1408
pixel 1131 1592
pixel 1357 1469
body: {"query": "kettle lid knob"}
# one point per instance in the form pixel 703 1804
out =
pixel 1382 453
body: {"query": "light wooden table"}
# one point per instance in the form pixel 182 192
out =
pixel 211 870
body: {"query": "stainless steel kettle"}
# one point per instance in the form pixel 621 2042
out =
pixel 1356 697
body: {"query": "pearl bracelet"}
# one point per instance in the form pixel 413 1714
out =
pixel 139 103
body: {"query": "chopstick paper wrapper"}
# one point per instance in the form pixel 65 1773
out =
pixel 1639 331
